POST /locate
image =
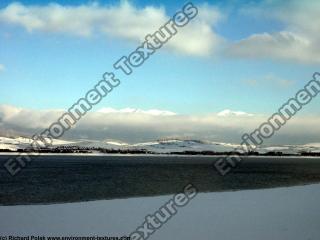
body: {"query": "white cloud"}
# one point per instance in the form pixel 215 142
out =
pixel 228 113
pixel 154 112
pixel 134 125
pixel 281 45
pixel 299 41
pixel 2 68
pixel 123 21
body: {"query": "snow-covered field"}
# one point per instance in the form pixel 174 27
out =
pixel 278 214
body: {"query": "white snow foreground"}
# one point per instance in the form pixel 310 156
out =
pixel 278 214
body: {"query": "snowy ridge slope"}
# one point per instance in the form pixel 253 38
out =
pixel 159 146
pixel 25 142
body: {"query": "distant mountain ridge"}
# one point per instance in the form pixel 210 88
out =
pixel 159 146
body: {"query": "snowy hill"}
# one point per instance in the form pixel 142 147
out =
pixel 25 142
pixel 165 146
pixel 159 146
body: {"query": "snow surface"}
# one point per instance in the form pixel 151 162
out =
pixel 278 214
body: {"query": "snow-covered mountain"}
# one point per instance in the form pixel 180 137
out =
pixel 25 142
pixel 159 146
pixel 163 146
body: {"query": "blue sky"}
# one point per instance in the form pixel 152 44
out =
pixel 51 68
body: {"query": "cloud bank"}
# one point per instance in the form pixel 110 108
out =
pixel 123 21
pixel 299 41
pixel 136 125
